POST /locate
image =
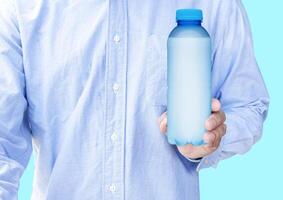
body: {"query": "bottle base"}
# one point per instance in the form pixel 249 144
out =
pixel 183 143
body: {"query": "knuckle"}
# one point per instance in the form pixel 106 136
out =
pixel 214 120
pixel 219 118
pixel 222 116
pixel 215 132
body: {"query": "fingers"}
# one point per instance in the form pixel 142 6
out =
pixel 163 123
pixel 216 129
pixel 213 138
pixel 194 152
pixel 215 120
pixel 209 138
pixel 215 105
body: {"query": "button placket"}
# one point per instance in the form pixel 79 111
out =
pixel 115 101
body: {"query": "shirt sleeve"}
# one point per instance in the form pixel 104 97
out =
pixel 238 85
pixel 15 137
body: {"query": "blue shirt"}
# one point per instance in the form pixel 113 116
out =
pixel 82 84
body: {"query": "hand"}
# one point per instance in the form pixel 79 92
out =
pixel 215 127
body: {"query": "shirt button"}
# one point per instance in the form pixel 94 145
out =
pixel 116 87
pixel 112 188
pixel 116 38
pixel 206 161
pixel 114 136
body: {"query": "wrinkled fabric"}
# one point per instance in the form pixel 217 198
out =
pixel 82 84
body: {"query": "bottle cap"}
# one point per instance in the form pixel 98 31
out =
pixel 189 15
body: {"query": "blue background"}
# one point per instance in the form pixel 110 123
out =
pixel 259 173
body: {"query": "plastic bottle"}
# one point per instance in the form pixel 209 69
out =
pixel 188 79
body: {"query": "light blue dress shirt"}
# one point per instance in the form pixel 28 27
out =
pixel 83 82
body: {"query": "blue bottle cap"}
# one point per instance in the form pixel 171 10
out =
pixel 189 14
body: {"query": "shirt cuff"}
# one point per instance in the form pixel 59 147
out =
pixel 212 159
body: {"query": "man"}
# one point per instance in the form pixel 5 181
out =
pixel 84 83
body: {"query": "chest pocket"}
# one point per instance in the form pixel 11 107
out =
pixel 156 70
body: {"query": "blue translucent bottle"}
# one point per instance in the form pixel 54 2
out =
pixel 188 79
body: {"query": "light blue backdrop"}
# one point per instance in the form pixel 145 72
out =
pixel 259 173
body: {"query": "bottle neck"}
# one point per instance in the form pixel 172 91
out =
pixel 189 22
